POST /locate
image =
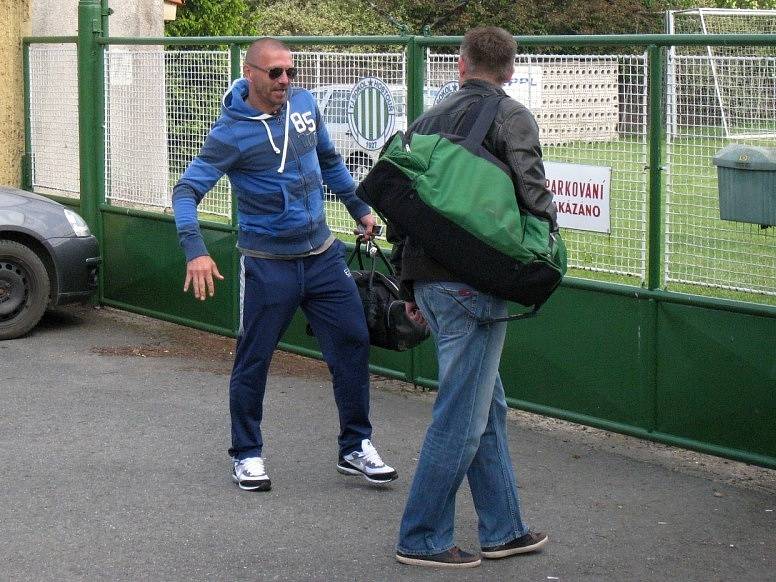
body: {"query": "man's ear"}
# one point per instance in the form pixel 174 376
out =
pixel 461 68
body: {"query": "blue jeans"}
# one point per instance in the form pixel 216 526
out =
pixel 271 290
pixel 467 435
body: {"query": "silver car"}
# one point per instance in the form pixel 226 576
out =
pixel 47 257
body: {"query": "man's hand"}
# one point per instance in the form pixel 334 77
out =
pixel 413 312
pixel 368 221
pixel 200 273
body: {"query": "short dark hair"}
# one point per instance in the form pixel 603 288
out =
pixel 490 50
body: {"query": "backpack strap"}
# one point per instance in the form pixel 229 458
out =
pixel 478 120
pixel 475 125
pixel 487 321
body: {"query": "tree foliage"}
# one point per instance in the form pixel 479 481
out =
pixel 212 18
pixel 438 17
pixel 318 18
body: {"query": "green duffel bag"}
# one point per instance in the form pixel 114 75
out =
pixel 458 200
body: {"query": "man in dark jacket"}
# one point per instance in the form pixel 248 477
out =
pixel 467 436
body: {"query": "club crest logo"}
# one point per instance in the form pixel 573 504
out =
pixel 371 113
pixel 445 91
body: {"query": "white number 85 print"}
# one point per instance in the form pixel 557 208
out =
pixel 303 122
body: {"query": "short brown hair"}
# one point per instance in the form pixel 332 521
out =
pixel 490 50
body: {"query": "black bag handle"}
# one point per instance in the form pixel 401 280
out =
pixel 356 252
pixel 378 252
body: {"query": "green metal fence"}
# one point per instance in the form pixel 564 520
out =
pixel 685 352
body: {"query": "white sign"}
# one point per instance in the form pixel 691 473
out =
pixel 581 195
pixel 526 86
pixel 120 67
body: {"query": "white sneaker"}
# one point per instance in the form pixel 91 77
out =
pixel 366 462
pixel 249 474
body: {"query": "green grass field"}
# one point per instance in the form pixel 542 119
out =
pixel 703 254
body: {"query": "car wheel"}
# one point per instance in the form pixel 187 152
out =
pixel 359 167
pixel 24 289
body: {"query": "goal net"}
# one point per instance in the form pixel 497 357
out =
pixel 739 82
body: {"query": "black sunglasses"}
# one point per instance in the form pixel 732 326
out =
pixel 275 72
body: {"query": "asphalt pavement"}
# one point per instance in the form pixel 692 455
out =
pixel 114 430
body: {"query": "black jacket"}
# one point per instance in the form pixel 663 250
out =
pixel 513 138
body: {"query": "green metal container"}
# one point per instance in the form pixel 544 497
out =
pixel 747 184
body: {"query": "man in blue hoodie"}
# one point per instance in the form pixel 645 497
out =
pixel 271 142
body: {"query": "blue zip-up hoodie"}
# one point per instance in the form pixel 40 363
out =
pixel 277 165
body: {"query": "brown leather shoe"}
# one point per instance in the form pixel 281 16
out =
pixel 455 557
pixel 529 542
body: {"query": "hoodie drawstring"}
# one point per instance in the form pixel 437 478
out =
pixel 263 117
pixel 285 141
pixel 269 135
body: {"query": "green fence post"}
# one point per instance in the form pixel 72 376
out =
pixel 416 73
pixel 235 61
pixel 235 68
pixel 415 77
pixel 27 158
pixel 89 94
pixel 105 12
pixel 91 115
pixel 648 312
pixel 656 133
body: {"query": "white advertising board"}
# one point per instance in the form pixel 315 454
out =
pixel 526 86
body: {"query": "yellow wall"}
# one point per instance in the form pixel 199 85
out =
pixel 15 19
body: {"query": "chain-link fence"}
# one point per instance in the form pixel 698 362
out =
pixel 177 94
pixel 195 83
pixel 592 112
pixel 716 96
pixel 710 107
pixel 136 161
pixel 53 102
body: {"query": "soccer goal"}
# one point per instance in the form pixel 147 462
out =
pixel 739 95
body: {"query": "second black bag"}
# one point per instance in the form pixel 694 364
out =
pixel 389 326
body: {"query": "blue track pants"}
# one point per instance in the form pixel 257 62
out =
pixel 271 290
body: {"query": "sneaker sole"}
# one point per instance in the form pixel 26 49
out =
pixel 410 561
pixel 514 551
pixel 263 485
pixel 355 472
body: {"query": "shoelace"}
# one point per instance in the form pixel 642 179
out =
pixel 253 465
pixel 371 455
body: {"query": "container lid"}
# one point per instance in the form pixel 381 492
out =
pixel 746 157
